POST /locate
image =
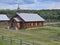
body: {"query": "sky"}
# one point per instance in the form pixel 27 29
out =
pixel 30 4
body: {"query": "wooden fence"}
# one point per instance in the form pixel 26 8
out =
pixel 8 40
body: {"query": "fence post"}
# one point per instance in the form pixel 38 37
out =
pixel 20 42
pixel 11 40
pixel 2 37
pixel 33 42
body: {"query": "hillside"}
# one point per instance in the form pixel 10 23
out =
pixel 47 35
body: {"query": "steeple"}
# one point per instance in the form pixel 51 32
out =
pixel 18 8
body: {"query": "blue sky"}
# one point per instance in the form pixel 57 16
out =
pixel 30 4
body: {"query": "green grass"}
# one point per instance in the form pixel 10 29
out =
pixel 47 35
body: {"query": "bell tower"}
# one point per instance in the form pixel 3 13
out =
pixel 18 8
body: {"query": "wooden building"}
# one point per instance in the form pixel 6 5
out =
pixel 26 20
pixel 3 20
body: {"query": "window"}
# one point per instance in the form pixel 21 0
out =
pixel 33 24
pixel 38 23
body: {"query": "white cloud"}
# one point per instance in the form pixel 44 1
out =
pixel 7 6
pixel 37 5
pixel 55 5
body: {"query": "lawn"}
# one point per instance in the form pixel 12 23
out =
pixel 47 35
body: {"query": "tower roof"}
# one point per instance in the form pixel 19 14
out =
pixel 18 8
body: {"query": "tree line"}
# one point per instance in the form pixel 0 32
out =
pixel 46 14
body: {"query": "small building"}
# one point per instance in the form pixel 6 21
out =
pixel 26 20
pixel 3 19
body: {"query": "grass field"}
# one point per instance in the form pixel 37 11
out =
pixel 47 35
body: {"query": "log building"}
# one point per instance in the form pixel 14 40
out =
pixel 26 20
pixel 3 19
